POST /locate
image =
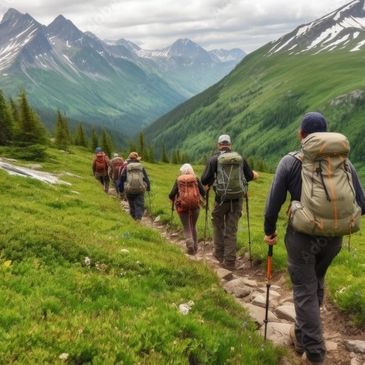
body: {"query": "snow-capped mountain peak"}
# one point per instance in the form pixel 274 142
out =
pixel 343 28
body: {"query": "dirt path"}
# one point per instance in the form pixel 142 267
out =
pixel 248 285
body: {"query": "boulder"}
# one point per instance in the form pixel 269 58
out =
pixel 356 346
pixel 258 313
pixel 278 333
pixel 238 288
pixel 287 312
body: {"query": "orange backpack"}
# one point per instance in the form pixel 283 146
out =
pixel 101 164
pixel 189 195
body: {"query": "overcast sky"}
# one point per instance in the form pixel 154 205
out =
pixel 152 24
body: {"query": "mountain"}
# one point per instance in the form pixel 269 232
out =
pixel 261 102
pixel 108 84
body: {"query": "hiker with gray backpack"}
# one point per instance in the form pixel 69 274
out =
pixel 186 195
pixel 134 182
pixel 229 175
pixel 327 201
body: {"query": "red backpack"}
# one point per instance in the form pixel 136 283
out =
pixel 189 195
pixel 101 165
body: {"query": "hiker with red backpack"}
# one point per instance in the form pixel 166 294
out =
pixel 186 195
pixel 134 182
pixel 100 167
pixel 327 201
pixel 229 175
pixel 115 168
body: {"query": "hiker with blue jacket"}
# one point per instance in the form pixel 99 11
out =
pixel 327 201
pixel 229 175
pixel 134 182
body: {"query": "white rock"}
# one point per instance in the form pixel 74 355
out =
pixel 259 300
pixel 286 311
pixel 185 308
pixel 64 356
pixel 157 219
pixel 355 346
pixel 87 261
pixel 124 251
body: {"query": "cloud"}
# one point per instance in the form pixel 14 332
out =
pixel 157 23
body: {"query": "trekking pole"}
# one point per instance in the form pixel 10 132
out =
pixel 249 230
pixel 268 284
pixel 206 215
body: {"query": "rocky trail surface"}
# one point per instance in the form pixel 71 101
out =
pixel 247 284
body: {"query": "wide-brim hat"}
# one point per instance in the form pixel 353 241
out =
pixel 134 156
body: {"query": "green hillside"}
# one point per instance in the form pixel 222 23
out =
pixel 122 308
pixel 261 102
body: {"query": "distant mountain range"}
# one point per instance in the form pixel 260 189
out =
pixel 317 67
pixel 115 84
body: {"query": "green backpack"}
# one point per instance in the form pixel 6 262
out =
pixel 135 183
pixel 327 205
pixel 230 182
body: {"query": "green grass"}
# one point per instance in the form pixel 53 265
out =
pixel 123 308
pixel 345 277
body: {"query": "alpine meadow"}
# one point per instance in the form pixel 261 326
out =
pixel 92 273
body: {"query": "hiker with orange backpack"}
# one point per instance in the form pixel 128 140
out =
pixel 100 167
pixel 326 203
pixel 186 195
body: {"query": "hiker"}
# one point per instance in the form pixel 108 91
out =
pixel 134 182
pixel 313 243
pixel 229 174
pixel 185 194
pixel 100 168
pixel 115 168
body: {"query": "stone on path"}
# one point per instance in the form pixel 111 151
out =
pixel 331 346
pixel 224 274
pixel 278 333
pixel 260 299
pixel 258 313
pixel 249 282
pixel 287 312
pixel 355 346
pixel 238 288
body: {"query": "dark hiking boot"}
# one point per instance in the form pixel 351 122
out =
pixel 228 265
pixel 293 338
pixel 306 361
pixel 217 257
pixel 190 251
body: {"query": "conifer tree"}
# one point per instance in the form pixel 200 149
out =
pixel 62 138
pixel 151 155
pixel 106 143
pixel 6 122
pixel 164 156
pixel 174 157
pixel 94 140
pixel 14 111
pixel 80 139
pixel 141 144
pixel 31 131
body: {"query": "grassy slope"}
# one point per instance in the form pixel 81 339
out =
pixel 121 310
pixel 260 104
pixel 346 276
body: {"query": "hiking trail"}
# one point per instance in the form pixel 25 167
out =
pixel 345 343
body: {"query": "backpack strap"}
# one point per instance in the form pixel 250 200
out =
pixel 297 155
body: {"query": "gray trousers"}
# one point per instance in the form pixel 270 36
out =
pixel 225 217
pixel 188 220
pixel 308 260
pixel 136 205
pixel 104 180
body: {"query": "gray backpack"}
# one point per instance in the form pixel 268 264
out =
pixel 327 205
pixel 230 181
pixel 134 183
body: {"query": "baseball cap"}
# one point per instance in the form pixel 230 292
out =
pixel 224 138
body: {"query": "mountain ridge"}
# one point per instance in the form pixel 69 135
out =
pixel 107 84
